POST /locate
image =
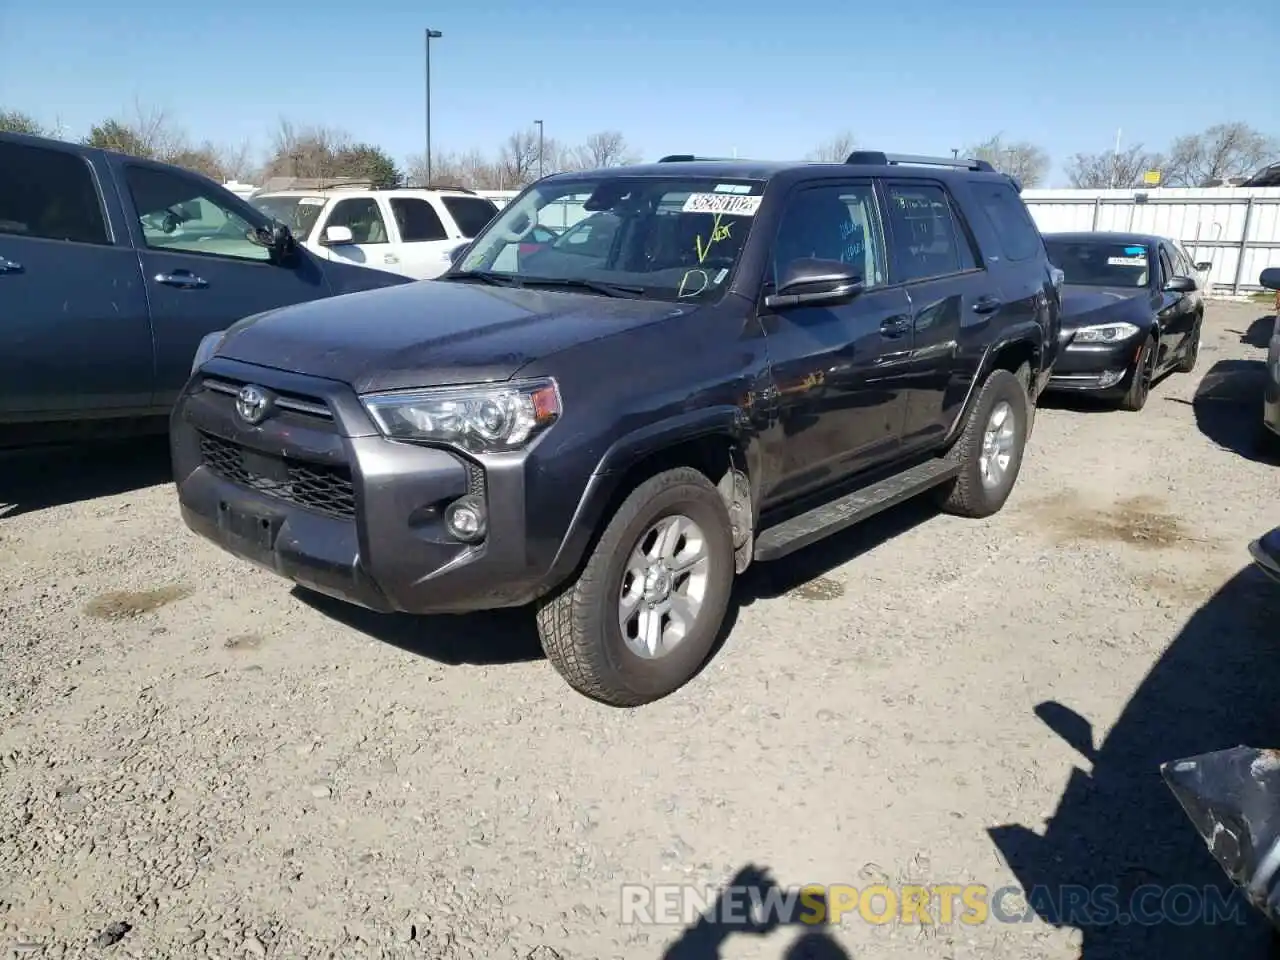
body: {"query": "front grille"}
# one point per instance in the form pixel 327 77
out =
pixel 309 408
pixel 319 487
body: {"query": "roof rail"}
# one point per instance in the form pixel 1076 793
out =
pixel 690 158
pixel 875 158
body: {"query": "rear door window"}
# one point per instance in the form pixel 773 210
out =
pixel 928 238
pixel 417 220
pixel 49 194
pixel 1017 232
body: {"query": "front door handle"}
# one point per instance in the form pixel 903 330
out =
pixel 184 279
pixel 987 304
pixel 895 328
pixel 9 266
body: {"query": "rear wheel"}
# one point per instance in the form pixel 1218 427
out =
pixel 990 448
pixel 642 617
pixel 1144 371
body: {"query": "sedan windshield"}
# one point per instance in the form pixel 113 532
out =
pixel 666 238
pixel 1100 263
pixel 299 214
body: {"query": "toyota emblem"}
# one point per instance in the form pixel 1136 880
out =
pixel 252 404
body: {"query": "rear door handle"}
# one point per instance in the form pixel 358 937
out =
pixel 895 328
pixel 184 279
pixel 987 304
pixel 9 266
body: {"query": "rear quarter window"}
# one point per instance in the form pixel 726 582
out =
pixel 1019 238
pixel 471 214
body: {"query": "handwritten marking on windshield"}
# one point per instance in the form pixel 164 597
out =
pixel 684 290
pixel 719 231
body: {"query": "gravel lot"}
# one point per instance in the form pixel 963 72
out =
pixel 234 769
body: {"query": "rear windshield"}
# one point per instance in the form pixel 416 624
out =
pixel 1100 263
pixel 471 214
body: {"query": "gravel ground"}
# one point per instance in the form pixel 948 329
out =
pixel 198 761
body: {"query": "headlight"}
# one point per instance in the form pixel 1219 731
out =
pixel 1104 333
pixel 482 419
pixel 208 347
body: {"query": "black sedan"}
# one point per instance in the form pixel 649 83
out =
pixel 1131 311
pixel 1271 400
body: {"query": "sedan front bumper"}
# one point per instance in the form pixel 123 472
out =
pixel 1095 367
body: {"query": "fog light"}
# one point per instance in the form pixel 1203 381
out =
pixel 465 519
pixel 1110 378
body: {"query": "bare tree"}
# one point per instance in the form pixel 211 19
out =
pixel 608 148
pixel 15 121
pixel 1112 169
pixel 1021 159
pixel 518 159
pixel 835 150
pixel 305 151
pixel 1223 151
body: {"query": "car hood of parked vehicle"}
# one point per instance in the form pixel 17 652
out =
pixel 1082 306
pixel 350 278
pixel 431 333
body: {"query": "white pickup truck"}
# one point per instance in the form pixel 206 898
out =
pixel 404 231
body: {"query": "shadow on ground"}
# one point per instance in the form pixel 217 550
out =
pixel 48 477
pixel 510 636
pixel 1228 408
pixel 1119 828
pixel 730 917
pixel 1259 332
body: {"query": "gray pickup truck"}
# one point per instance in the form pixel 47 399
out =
pixel 112 271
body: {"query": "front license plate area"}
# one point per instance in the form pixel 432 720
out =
pixel 256 530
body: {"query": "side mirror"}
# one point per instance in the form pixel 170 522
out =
pixel 337 236
pixel 1181 285
pixel 811 281
pixel 1270 278
pixel 455 255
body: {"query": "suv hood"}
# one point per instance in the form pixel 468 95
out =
pixel 431 333
pixel 1082 305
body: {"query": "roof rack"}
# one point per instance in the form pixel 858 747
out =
pixel 875 158
pixel 690 158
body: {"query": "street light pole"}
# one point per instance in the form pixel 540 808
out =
pixel 430 35
pixel 540 141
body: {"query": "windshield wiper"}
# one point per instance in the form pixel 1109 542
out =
pixel 484 276
pixel 595 286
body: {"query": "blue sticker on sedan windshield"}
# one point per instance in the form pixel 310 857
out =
pixel 1135 251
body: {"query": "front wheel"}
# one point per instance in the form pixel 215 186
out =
pixel 641 618
pixel 1192 352
pixel 1144 372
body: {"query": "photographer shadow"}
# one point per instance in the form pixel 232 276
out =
pixel 704 939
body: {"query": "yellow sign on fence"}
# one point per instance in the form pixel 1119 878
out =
pixel 1151 178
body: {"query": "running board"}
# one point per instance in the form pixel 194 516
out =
pixel 822 521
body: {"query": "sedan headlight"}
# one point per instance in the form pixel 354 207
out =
pixel 481 419
pixel 1104 333
pixel 208 347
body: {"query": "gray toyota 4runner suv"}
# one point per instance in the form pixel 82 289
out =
pixel 727 361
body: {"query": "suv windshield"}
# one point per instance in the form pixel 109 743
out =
pixel 670 239
pixel 299 214
pixel 1100 263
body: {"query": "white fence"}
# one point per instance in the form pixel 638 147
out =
pixel 1237 229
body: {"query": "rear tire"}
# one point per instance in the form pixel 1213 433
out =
pixel 1135 398
pixel 582 626
pixel 990 449
pixel 1189 358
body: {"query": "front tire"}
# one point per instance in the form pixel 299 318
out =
pixel 1144 368
pixel 1192 354
pixel 990 449
pixel 640 620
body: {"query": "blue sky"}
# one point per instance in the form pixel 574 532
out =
pixel 766 79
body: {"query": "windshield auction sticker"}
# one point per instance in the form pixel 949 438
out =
pixel 725 203
pixel 1126 261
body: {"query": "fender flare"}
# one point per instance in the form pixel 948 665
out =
pixel 1029 333
pixel 623 454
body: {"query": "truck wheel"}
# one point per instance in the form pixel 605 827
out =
pixel 640 620
pixel 1144 371
pixel 990 449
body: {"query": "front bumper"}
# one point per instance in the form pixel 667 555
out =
pixel 1266 553
pixel 1095 367
pixel 316 495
